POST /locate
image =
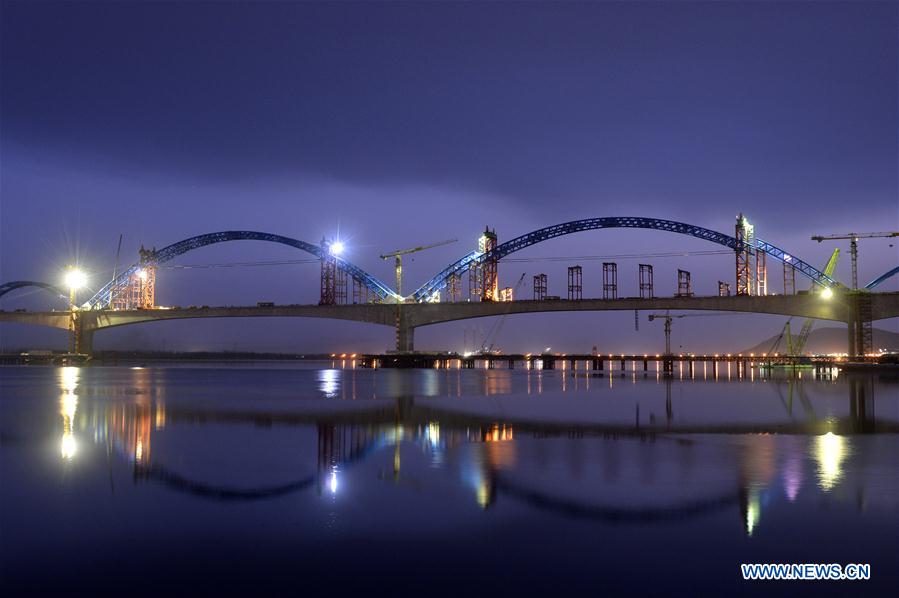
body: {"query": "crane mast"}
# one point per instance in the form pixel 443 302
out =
pixel 398 263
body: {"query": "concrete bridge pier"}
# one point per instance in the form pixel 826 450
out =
pixel 84 339
pixel 853 330
pixel 405 339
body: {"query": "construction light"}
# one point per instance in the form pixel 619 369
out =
pixel 142 274
pixel 337 248
pixel 75 279
pixel 827 293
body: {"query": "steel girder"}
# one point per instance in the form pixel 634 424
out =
pixel 103 296
pixel 575 226
pixel 18 284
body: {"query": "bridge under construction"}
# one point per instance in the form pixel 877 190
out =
pixel 130 296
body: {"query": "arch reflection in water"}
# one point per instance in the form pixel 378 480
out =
pixel 482 448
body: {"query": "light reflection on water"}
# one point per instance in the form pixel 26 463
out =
pixel 549 446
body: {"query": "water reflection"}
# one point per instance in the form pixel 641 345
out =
pixel 830 452
pixel 68 406
pixel 329 382
pixel 618 463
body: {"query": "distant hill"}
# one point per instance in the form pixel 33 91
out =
pixel 825 340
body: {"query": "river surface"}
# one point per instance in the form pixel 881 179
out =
pixel 276 478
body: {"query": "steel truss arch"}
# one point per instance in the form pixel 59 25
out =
pixel 550 232
pixel 882 277
pixel 102 298
pixel 19 284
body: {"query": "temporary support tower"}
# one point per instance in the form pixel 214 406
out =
pixel 646 291
pixel 684 286
pixel 575 283
pixel 789 278
pixel 761 273
pixel 609 280
pixel 540 287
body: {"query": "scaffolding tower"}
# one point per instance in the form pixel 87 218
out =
pixel 139 291
pixel 490 270
pixel 684 286
pixel 454 288
pixel 328 275
pixel 744 251
pixel 474 282
pixel 646 291
pixel 575 283
pixel 539 287
pixel 609 280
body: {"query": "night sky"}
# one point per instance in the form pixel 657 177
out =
pixel 398 124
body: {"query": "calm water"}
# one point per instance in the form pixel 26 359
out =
pixel 267 478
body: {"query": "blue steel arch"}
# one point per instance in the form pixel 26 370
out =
pixel 18 284
pixel 882 277
pixel 550 232
pixel 104 295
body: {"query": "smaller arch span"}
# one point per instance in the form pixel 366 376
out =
pixel 21 284
pixel 103 297
pixel 566 228
pixel 886 275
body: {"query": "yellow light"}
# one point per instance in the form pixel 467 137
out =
pixel 69 446
pixel 142 274
pixel 830 452
pixel 75 279
pixel 827 293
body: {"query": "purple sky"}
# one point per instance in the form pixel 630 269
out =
pixel 401 124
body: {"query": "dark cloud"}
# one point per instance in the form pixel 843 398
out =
pixel 412 122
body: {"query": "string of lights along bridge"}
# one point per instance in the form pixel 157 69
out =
pixel 350 293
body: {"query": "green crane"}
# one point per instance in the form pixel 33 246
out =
pixel 795 347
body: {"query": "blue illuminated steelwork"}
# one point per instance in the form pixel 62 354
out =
pixel 882 277
pixel 18 284
pixel 440 281
pixel 104 295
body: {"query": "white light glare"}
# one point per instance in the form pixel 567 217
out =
pixel 337 248
pixel 827 293
pixel 75 279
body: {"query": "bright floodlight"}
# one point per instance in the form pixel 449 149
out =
pixel 337 248
pixel 827 293
pixel 75 279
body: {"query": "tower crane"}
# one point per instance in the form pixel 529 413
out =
pixel 853 247
pixel 398 255
pixel 494 332
pixel 668 317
